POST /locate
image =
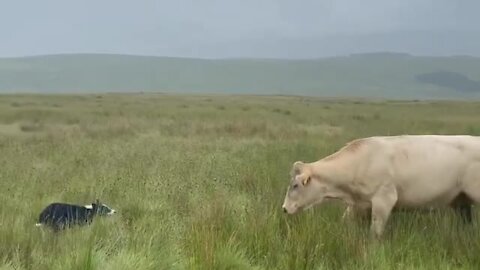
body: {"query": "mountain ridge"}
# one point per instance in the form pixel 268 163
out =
pixel 377 74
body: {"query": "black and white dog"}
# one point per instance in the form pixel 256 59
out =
pixel 61 215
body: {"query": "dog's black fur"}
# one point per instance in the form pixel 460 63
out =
pixel 59 216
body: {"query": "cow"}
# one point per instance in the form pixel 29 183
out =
pixel 380 173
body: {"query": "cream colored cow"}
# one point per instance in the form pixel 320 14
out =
pixel 380 173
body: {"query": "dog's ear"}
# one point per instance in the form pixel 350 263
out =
pixel 97 202
pixel 95 206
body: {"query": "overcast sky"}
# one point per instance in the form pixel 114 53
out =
pixel 241 28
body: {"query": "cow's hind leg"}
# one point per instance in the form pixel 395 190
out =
pixel 462 205
pixel 471 190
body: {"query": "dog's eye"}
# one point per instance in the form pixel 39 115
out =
pixel 295 186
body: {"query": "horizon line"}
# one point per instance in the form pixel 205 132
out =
pixel 370 53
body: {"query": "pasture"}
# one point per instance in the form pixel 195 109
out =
pixel 198 183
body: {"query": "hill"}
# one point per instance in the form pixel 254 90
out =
pixel 384 75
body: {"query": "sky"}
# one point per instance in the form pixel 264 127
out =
pixel 242 28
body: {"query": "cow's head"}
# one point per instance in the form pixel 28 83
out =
pixel 305 189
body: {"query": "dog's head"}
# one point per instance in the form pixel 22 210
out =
pixel 102 209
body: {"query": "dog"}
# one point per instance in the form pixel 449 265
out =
pixel 59 216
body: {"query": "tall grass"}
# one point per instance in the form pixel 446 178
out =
pixel 199 187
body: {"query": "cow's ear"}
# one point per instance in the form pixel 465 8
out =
pixel 306 180
pixel 297 167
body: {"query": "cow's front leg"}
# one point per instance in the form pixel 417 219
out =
pixel 382 204
pixel 348 214
pixel 357 212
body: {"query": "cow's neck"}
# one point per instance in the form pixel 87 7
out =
pixel 338 180
pixel 333 172
pixel 335 192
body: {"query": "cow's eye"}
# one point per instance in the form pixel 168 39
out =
pixel 295 186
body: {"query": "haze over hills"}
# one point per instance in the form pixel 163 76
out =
pixel 381 75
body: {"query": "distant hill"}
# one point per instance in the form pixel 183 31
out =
pixel 451 80
pixel 384 75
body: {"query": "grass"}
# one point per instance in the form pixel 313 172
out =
pixel 199 181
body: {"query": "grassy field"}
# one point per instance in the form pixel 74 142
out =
pixel 198 182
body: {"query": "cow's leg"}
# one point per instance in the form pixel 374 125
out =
pixel 348 214
pixel 382 204
pixel 462 205
pixel 471 191
pixel 357 212
pixel 465 212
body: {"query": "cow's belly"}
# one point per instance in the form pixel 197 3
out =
pixel 427 180
pixel 428 189
pixel 426 199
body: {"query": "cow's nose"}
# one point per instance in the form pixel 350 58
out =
pixel 284 210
